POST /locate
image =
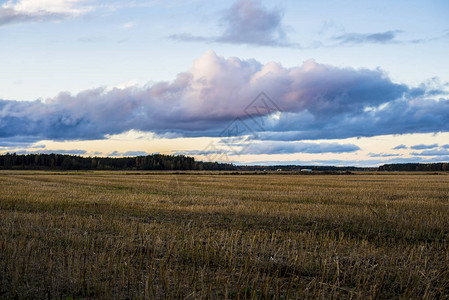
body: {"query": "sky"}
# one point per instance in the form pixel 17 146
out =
pixel 358 83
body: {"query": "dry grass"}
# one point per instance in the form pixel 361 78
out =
pixel 145 235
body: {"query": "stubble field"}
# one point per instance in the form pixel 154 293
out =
pixel 140 235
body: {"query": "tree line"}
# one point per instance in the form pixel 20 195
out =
pixel 415 167
pixel 172 162
pixel 75 162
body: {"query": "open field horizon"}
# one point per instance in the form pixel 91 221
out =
pixel 202 235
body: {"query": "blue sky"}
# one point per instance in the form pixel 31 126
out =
pixel 307 82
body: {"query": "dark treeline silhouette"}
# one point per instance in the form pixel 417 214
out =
pixel 415 167
pixel 172 162
pixel 74 162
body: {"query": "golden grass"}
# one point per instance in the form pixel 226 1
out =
pixel 145 235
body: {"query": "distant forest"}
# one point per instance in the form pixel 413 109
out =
pixel 415 167
pixel 172 162
pixel 74 162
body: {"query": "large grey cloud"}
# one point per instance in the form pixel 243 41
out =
pixel 317 102
pixel 298 147
pixel 262 147
pixel 247 22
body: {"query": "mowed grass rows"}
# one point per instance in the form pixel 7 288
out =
pixel 196 236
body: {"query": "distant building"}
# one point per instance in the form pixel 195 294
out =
pixel 279 170
pixel 306 170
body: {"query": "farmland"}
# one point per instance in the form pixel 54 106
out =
pixel 223 235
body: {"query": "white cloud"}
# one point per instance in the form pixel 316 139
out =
pixel 47 6
pixel 128 25
pixel 41 10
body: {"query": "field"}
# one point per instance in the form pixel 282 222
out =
pixel 196 235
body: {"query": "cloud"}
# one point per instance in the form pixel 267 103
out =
pixel 384 155
pixel 247 22
pixel 46 151
pixel 422 146
pixel 355 163
pixel 17 142
pixel 298 147
pixel 434 152
pixel 339 162
pixel 40 11
pixel 208 152
pixel 135 153
pixel 187 37
pixel 128 25
pixel 90 39
pixel 315 101
pixel 373 38
pixel 128 153
pixel 398 147
pixel 72 151
pixel 385 37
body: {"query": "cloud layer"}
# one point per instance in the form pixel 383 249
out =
pixel 312 101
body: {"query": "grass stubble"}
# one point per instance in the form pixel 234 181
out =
pixel 196 236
